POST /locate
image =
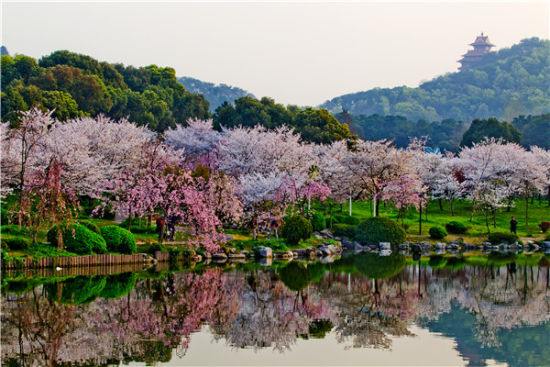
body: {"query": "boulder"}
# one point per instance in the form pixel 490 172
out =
pixel 546 244
pixel 285 255
pixel 440 245
pixel 385 253
pixel 219 256
pixel 326 233
pixel 263 252
pixel 384 246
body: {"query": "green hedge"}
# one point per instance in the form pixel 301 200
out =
pixel 79 239
pixel 318 221
pixel 496 238
pixel 119 239
pixel 343 230
pixel 16 243
pixel 375 230
pixel 90 225
pixel 345 219
pixel 296 228
pixel 437 233
pixel 456 227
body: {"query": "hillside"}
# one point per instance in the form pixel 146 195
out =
pixel 215 94
pixel 505 84
pixel 75 85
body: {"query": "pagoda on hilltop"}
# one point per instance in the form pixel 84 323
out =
pixel 482 46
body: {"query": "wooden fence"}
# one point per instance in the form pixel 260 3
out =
pixel 77 261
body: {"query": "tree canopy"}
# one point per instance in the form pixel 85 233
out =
pixel 491 128
pixel 79 85
pixel 314 125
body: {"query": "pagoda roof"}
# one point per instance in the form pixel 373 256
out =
pixel 482 40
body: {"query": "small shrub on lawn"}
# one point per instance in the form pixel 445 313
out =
pixel 375 230
pixel 119 239
pixel 496 238
pixel 437 233
pixel 296 228
pixel 17 243
pixel 456 227
pixel 544 226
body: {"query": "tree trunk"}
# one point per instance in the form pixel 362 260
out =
pixel 526 210
pixel 452 208
pixel 440 205
pixel 420 219
pixel 129 221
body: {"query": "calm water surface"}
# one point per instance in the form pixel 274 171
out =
pixel 360 310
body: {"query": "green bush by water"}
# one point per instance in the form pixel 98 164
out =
pixel 437 233
pixel 343 230
pixel 375 230
pixel 296 228
pixel 119 239
pixel 345 219
pixel 496 238
pixel 79 239
pixel 318 221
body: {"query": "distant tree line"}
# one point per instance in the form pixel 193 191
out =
pixel 75 85
pixel 314 125
pixel 215 94
pixel 450 134
pixel 505 84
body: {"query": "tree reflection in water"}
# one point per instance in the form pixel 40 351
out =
pixel 364 301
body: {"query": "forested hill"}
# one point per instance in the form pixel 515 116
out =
pixel 79 85
pixel 505 84
pixel 215 94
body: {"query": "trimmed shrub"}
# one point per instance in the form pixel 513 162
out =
pixel 79 239
pixel 437 233
pixel 90 225
pixel 456 227
pixel 345 219
pixel 496 238
pixel 344 230
pixel 544 226
pixel 318 221
pixel 17 243
pixel 119 239
pixel 296 228
pixel 375 230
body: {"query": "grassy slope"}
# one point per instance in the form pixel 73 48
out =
pixel 477 231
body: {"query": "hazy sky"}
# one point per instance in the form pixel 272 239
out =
pixel 297 52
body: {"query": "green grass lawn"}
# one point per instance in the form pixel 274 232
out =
pixel 477 230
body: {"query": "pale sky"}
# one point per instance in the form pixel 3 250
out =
pixel 296 52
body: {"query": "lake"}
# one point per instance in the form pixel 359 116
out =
pixel 362 309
